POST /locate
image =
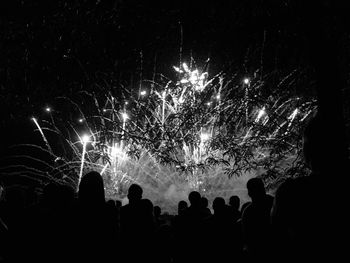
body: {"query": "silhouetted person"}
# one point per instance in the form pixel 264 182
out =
pixel 181 207
pixel 147 217
pixel 205 203
pixel 225 234
pixel 118 204
pixel 129 214
pixel 256 221
pixel 178 225
pixel 195 211
pixel 193 226
pixel 95 233
pixel 135 220
pixel 234 204
pixel 158 216
pixel 12 214
pixel 91 191
pixel 244 206
pixel 164 245
pixel 114 215
pixel 304 229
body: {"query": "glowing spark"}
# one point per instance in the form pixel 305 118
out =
pixel 208 103
pixel 104 110
pixel 260 114
pixel 177 69
pixel 204 137
pixel 307 114
pixel 292 116
pixel 125 116
pixel 42 134
pixel 48 109
pixel 80 120
pixel 185 67
pixel 118 152
pixel 246 81
pixel 85 138
pixel 218 96
pixel 194 77
pixel 143 93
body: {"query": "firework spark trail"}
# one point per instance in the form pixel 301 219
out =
pixel 31 158
pixel 82 163
pixel 42 135
pixel 292 117
pixel 84 140
pixel 104 168
pixel 26 170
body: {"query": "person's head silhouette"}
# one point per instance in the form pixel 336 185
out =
pixel 234 202
pixel 135 193
pixel 181 207
pixel 195 199
pixel 204 202
pixel 256 189
pixel 219 206
pixel 91 189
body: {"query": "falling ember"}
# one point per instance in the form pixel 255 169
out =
pixel 42 134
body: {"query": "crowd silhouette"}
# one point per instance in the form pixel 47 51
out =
pixel 63 226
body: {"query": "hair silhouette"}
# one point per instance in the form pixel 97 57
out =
pixel 91 189
pixel 135 193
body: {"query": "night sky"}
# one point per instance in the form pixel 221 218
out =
pixel 58 48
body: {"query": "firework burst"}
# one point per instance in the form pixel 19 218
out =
pixel 180 134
